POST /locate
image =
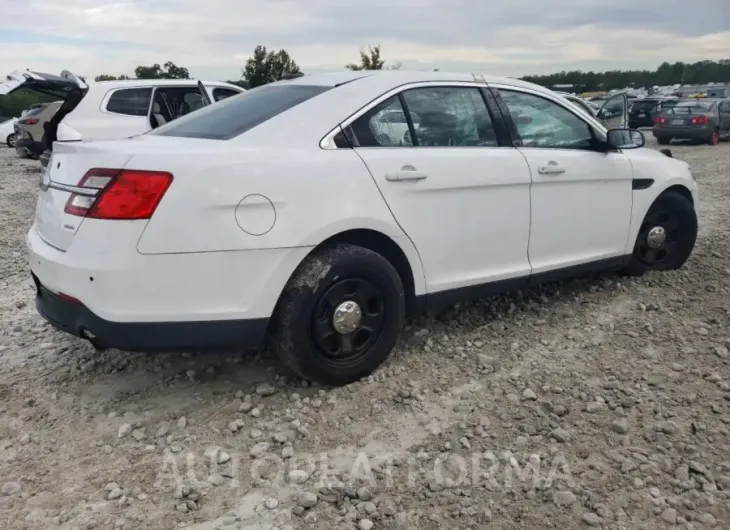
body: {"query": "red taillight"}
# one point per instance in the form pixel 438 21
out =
pixel 699 120
pixel 660 119
pixel 31 121
pixel 119 194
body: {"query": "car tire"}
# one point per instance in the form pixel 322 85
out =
pixel 10 140
pixel 662 140
pixel 303 332
pixel 675 215
pixel 715 137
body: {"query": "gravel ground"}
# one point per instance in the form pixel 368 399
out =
pixel 602 403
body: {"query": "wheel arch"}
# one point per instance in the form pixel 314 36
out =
pixel 399 251
pixel 680 190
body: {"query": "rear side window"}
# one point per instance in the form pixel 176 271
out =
pixel 130 101
pixel 234 116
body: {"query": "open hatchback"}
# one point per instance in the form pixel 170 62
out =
pixel 67 87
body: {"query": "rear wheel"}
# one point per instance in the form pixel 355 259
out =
pixel 10 140
pixel 340 315
pixel 715 137
pixel 666 237
pixel 662 140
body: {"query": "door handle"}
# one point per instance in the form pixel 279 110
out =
pixel 407 172
pixel 552 168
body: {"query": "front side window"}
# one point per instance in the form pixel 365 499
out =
pixel 613 108
pixel 130 101
pixel 234 116
pixel 544 124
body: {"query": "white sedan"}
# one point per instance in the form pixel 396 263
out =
pixel 7 132
pixel 289 212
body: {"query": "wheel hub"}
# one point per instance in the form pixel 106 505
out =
pixel 346 318
pixel 656 237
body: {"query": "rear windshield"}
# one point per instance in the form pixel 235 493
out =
pixel 237 114
pixel 33 112
pixel 644 104
pixel 689 107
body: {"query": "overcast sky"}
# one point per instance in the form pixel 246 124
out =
pixel 213 38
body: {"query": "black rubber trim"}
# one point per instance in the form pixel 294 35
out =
pixel 74 318
pixel 499 121
pixel 435 302
pixel 641 184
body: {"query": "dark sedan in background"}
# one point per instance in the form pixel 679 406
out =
pixel 643 111
pixel 699 120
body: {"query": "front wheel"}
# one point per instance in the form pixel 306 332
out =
pixel 340 315
pixel 666 237
pixel 10 140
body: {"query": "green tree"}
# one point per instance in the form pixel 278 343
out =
pixel 168 71
pixel 106 77
pixel 14 104
pixel 369 60
pixel 268 66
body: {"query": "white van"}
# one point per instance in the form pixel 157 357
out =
pixel 108 110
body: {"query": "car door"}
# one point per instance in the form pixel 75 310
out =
pixel 614 113
pixel 460 194
pixel 724 112
pixel 581 195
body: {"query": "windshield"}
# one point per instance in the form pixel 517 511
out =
pixel 690 107
pixel 237 114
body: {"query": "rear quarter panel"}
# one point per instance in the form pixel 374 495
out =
pixel 312 193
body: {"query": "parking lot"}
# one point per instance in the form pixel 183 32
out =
pixel 595 403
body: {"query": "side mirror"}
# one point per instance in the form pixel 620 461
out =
pixel 625 138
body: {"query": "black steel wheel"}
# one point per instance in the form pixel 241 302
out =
pixel 667 235
pixel 659 236
pixel 348 319
pixel 340 315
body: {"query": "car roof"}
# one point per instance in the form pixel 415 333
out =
pixel 131 83
pixel 400 77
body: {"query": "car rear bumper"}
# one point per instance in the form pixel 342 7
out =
pixel 683 133
pixel 167 302
pixel 77 319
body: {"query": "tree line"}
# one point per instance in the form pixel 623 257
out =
pixel 265 66
pixel 698 73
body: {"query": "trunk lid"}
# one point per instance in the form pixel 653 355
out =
pixel 67 165
pixel 55 85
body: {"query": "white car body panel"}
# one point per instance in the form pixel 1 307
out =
pixel 7 128
pixel 241 214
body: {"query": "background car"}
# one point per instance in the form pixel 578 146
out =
pixel 30 130
pixel 7 131
pixel 643 111
pixel 612 111
pixel 115 109
pixel 699 120
pixel 300 220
